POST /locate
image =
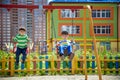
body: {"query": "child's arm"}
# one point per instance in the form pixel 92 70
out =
pixel 28 39
pixel 73 45
pixel 28 45
pixel 58 43
pixel 15 39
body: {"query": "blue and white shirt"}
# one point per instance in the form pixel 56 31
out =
pixel 66 43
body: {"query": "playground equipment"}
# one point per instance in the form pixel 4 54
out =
pixel 50 8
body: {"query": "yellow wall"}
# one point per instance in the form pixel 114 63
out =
pixel 114 46
pixel 118 45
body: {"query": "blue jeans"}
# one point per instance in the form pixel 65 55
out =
pixel 62 48
pixel 18 52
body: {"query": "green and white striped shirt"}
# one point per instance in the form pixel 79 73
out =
pixel 21 40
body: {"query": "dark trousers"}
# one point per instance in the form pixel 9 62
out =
pixel 18 52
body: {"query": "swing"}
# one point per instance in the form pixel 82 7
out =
pixel 94 38
pixel 28 50
pixel 70 56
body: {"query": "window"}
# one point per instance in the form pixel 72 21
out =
pixel 102 29
pixel 71 29
pixel 107 13
pixel 101 13
pixel 67 13
pixel 106 44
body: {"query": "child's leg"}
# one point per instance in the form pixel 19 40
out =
pixel 61 50
pixel 69 48
pixel 17 55
pixel 70 53
pixel 24 55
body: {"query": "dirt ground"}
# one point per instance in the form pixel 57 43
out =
pixel 65 77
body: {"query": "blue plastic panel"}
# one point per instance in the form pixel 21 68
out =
pixel 85 0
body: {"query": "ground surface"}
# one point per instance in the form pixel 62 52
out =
pixel 66 77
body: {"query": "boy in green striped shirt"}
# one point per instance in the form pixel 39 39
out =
pixel 22 42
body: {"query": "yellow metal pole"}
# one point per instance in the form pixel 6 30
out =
pixel 75 62
pixel 49 30
pixel 52 63
pixel 95 46
pixel 73 65
pixel 48 24
pixel 84 23
pixel 28 63
pixel 3 64
pixel 12 67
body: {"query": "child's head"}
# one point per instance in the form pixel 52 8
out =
pixel 22 30
pixel 65 34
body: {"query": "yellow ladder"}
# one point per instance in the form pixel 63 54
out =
pixel 94 42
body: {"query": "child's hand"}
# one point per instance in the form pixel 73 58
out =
pixel 29 39
pixel 58 45
pixel 55 41
pixel 12 37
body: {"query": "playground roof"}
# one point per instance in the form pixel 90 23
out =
pixel 85 1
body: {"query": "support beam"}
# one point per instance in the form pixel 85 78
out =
pixel 95 46
pixel 85 42
pixel 9 6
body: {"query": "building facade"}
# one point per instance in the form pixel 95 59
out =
pixel 11 20
pixel 5 26
pixel 105 23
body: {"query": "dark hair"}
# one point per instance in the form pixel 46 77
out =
pixel 22 28
pixel 64 33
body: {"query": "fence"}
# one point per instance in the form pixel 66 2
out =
pixel 52 64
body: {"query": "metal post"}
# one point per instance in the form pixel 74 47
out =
pixel 84 25
pixel 95 46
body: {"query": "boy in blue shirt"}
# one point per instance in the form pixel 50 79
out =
pixel 65 46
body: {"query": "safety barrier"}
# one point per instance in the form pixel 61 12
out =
pixel 48 64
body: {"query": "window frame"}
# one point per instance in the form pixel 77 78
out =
pixel 69 24
pixel 103 29
pixel 101 12
pixel 69 18
pixel 101 25
pixel 105 44
pixel 71 14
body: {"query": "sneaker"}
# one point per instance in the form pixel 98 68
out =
pixel 22 65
